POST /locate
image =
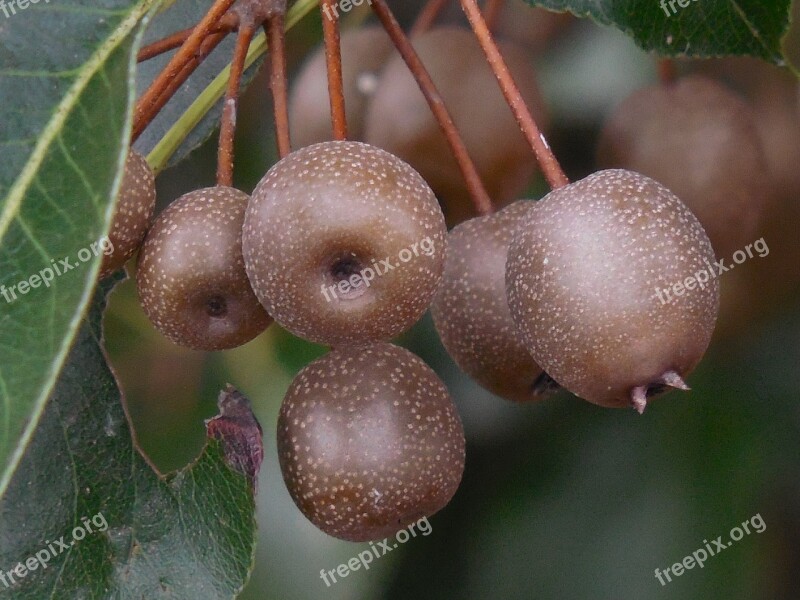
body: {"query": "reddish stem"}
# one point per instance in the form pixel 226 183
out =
pixel 227 130
pixel 481 200
pixel 427 16
pixel 547 161
pixel 180 78
pixel 176 82
pixel 492 13
pixel 333 57
pixel 667 71
pixel 228 23
pixel 276 39
pixel 144 107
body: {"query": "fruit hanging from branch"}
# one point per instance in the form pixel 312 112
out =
pixel 369 442
pixel 606 288
pixel 344 243
pixel 191 278
pixel 611 284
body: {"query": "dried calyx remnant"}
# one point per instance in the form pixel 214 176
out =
pixel 239 431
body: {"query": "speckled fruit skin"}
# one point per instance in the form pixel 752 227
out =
pixel 364 50
pixel 400 121
pixel 134 212
pixel 700 140
pixel 582 276
pixel 327 212
pixel 191 277
pixel 369 442
pixel 470 310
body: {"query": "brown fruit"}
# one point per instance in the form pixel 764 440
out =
pixel 191 278
pixel 533 27
pixel 363 51
pixel 536 29
pixel 400 121
pixel 470 310
pixel 591 280
pixel 323 228
pixel 135 206
pixel 700 140
pixel 773 94
pixel 369 442
pixel 765 283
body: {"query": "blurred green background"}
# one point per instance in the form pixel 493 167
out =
pixel 561 499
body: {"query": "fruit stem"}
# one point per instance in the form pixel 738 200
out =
pixel 333 57
pixel 427 16
pixel 146 107
pixel 491 13
pixel 667 71
pixel 208 46
pixel 175 136
pixel 275 30
pixel 547 161
pixel 227 130
pixel 480 198
pixel 227 24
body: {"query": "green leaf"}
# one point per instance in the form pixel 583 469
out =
pixel 66 70
pixel 188 535
pixel 700 28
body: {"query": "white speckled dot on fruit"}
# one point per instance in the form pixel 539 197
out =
pixel 582 278
pixel 369 442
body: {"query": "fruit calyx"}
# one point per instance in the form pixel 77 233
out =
pixel 640 394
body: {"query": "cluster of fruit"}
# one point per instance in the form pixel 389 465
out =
pixel 567 285
pixel 559 292
pixel 369 438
